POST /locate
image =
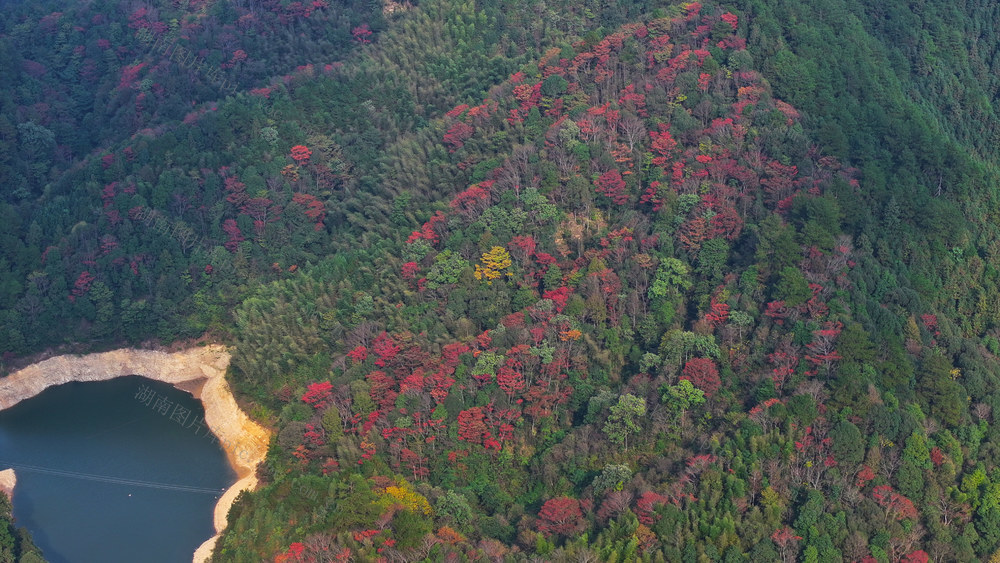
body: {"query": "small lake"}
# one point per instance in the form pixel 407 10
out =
pixel 121 470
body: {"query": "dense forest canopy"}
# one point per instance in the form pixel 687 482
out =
pixel 565 280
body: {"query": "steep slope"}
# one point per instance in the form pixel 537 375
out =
pixel 150 199
pixel 715 284
pixel 99 128
pixel 85 77
pixel 903 93
pixel 638 323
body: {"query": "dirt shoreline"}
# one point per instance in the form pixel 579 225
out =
pixel 7 482
pixel 200 371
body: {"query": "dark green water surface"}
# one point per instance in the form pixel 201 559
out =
pixel 121 470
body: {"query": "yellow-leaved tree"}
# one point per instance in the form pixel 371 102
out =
pixel 402 494
pixel 494 262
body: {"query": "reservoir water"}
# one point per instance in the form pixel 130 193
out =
pixel 121 470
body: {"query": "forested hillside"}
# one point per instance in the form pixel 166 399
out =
pixel 511 280
pixel 15 542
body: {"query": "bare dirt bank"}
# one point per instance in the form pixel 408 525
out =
pixel 7 482
pixel 200 371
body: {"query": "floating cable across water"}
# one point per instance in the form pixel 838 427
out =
pixel 113 480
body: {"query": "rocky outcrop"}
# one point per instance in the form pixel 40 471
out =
pixel 200 371
pixel 7 482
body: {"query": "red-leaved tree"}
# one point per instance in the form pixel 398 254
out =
pixel 663 145
pixel 645 507
pixel 301 154
pixel 918 556
pixel 822 350
pixel 509 377
pixel 294 553
pixel 386 349
pixel 560 515
pixel 703 374
pixel 235 235
pixel 457 135
pixel 611 184
pixel 472 426
pixel 358 354
pixel 314 208
pixel 471 202
pixel 409 270
pixel 362 33
pixel 718 313
pixel 318 394
pixel 787 542
pixel 82 285
pixel 236 191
